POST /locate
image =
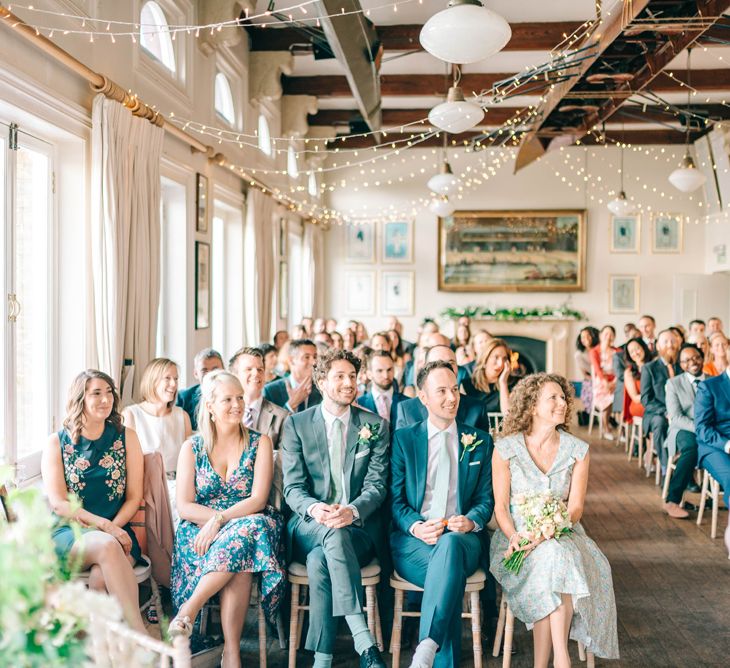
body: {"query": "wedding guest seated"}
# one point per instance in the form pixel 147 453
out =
pixel 441 490
pixel 296 392
pixel 397 325
pixel 471 411
pixel 382 398
pixel 636 355
pixel 261 415
pixel 298 333
pixel 602 376
pixel 348 339
pixel 479 342
pixel 338 343
pixel 361 333
pixel 319 325
pixel 647 326
pixel 399 355
pixel 99 460
pixel 160 425
pixel 330 325
pixel 323 341
pixel 564 588
pixel 696 327
pixel 461 344
pixel 718 355
pixel 714 324
pixel 654 376
pixel 205 361
pixel 280 338
pixel 271 357
pixel 712 426
pixel 586 341
pixel 335 462
pixel 226 532
pixel 490 383
pixel 380 341
pixel 700 340
pixel 631 331
pixel 680 397
pixel 680 333
pixel 307 323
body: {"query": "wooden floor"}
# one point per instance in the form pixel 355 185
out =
pixel 672 581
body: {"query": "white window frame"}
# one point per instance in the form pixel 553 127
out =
pixel 267 119
pixel 229 65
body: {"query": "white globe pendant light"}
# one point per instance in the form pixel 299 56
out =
pixel 465 32
pixel 687 178
pixel 456 114
pixel 621 206
pixel 443 183
pixel 441 206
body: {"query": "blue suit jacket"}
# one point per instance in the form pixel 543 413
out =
pixel 712 415
pixel 189 399
pixel 368 402
pixel 275 391
pixel 409 466
pixel 471 412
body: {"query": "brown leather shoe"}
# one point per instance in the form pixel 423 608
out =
pixel 673 510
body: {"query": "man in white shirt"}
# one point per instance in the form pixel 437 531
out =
pixel 647 327
pixel 382 397
pixel 441 488
pixel 335 481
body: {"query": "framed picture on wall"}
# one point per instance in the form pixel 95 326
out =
pixel 202 285
pixel 201 204
pixel 396 293
pixel 666 233
pixel 398 241
pixel 623 294
pixel 625 234
pixel 283 237
pixel 283 290
pixel 360 242
pixel 360 293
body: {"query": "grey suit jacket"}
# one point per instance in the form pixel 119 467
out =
pixel 306 461
pixel 270 421
pixel 680 398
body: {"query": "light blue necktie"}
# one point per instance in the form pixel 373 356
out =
pixel 443 477
pixel 336 462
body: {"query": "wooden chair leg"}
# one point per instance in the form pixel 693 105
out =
pixel 262 636
pixel 581 651
pixel 715 494
pixel 476 628
pixel 591 660
pixel 370 608
pixel 667 479
pixel 293 625
pixel 641 450
pixel 378 626
pixel 300 619
pixel 509 629
pixel 280 630
pixel 703 496
pixel 500 626
pixel 658 472
pixel 395 637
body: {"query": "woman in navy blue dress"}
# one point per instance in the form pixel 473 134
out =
pixel 98 460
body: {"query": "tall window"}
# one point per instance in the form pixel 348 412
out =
pixel 224 99
pixel 264 135
pixel 292 168
pixel 154 36
pixel 26 194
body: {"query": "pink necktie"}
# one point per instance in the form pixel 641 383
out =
pixel 248 417
pixel 383 407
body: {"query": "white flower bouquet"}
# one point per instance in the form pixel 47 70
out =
pixel 545 516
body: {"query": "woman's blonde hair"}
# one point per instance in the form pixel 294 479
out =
pixel 206 424
pixel 523 399
pixel 153 374
pixel 479 377
pixel 74 420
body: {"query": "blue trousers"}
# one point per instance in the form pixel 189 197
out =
pixel 441 570
pixel 718 464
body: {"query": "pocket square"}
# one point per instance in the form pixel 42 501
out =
pixel 475 463
pixel 362 453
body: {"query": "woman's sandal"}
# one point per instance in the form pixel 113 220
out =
pixel 152 616
pixel 180 626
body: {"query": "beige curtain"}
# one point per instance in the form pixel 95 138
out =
pixel 260 212
pixel 312 264
pixel 125 241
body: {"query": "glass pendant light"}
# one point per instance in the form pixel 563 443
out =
pixel 441 206
pixel 620 206
pixel 456 114
pixel 444 183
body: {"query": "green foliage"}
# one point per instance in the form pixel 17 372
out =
pixel 536 313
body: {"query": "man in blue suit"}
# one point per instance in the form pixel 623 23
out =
pixel 296 392
pixel 205 361
pixel 382 398
pixel 441 488
pixel 472 412
pixel 712 426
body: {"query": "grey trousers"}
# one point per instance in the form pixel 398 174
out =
pixel 333 558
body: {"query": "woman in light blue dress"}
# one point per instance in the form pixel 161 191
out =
pixel 564 589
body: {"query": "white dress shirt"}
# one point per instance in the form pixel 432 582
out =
pixel 727 445
pixel 434 447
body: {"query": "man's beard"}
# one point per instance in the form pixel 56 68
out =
pixel 383 388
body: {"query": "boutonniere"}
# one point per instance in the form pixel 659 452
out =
pixel 468 443
pixel 368 433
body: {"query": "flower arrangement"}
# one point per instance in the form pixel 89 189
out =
pixel 45 616
pixel 468 443
pixel 546 516
pixel 368 433
pixel 563 312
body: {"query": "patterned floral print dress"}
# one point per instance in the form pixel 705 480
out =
pixel 96 472
pixel 249 544
pixel 571 565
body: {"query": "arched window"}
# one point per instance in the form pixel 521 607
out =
pixel 154 36
pixel 264 135
pixel 224 98
pixel 291 162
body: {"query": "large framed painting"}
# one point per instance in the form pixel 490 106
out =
pixel 518 251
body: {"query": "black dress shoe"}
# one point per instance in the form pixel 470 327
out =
pixel 371 658
pixel 694 488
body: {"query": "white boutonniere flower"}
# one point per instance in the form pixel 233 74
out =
pixel 468 443
pixel 368 433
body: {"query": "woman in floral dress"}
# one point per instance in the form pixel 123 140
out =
pixel 226 533
pixel 98 460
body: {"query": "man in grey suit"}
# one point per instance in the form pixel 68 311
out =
pixel 680 394
pixel 335 480
pixel 260 414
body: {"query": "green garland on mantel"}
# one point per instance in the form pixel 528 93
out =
pixel 538 313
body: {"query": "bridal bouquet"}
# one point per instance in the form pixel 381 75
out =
pixel 544 515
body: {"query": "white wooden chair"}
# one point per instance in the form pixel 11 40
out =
pixel 496 420
pixel 714 490
pixel 636 439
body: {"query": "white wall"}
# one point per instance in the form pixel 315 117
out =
pixel 540 186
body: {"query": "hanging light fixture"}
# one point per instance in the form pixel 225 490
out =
pixel 441 206
pixel 465 32
pixel 620 206
pixel 456 114
pixel 687 178
pixel 444 183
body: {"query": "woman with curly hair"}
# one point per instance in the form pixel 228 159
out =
pixel 100 461
pixel 564 589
